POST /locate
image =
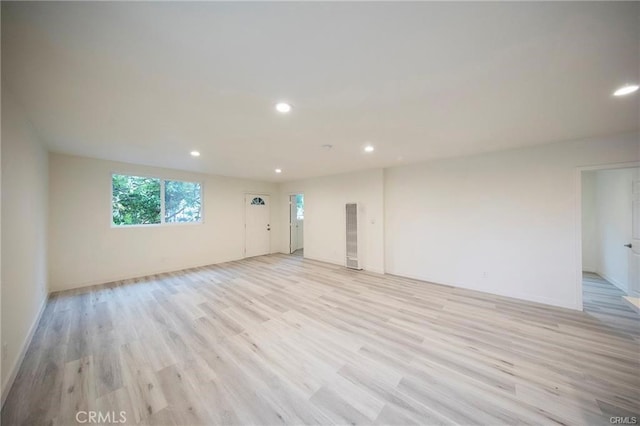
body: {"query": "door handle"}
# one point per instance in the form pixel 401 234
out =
pixel 628 245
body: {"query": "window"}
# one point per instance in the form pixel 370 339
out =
pixel 182 201
pixel 257 201
pixel 151 201
pixel 300 207
pixel 136 200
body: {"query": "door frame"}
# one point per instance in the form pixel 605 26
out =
pixel 578 209
pixel 244 217
pixel 291 194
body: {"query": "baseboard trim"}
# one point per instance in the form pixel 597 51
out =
pixel 93 283
pixel 324 260
pixel 615 282
pixel 18 363
pixel 341 263
pixel 518 296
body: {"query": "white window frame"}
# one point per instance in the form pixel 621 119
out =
pixel 162 201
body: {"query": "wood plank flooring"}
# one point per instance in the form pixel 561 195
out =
pixel 282 340
pixel 607 302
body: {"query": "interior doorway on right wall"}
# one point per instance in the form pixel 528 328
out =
pixel 611 243
pixel 296 224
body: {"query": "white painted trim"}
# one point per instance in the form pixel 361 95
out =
pixel 325 260
pixel 290 197
pixel 518 296
pixel 144 274
pixel 524 297
pixel 615 282
pixel 578 229
pixel 18 362
pixel 578 240
pixel 626 165
pixel 295 194
pixel 339 263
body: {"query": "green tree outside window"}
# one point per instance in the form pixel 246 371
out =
pixel 182 201
pixel 138 201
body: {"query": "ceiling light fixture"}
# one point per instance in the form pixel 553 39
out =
pixel 626 89
pixel 195 154
pixel 368 148
pixel 283 107
pixel 278 170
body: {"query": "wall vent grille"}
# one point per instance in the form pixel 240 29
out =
pixel 352 236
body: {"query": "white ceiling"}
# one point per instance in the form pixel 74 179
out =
pixel 149 82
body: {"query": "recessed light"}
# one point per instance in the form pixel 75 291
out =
pixel 368 148
pixel 283 107
pixel 278 170
pixel 195 154
pixel 625 90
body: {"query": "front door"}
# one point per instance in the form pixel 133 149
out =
pixel 257 236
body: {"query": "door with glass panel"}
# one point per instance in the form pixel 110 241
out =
pixel 257 236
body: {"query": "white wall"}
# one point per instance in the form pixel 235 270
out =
pixel 614 198
pixel 503 223
pixel 2 355
pixel 24 233
pixel 589 223
pixel 85 249
pixel 324 218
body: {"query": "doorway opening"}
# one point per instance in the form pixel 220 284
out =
pixel 296 224
pixel 611 244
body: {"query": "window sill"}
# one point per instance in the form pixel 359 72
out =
pixel 157 225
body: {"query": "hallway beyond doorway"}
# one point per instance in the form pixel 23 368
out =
pixel 296 223
pixel 608 303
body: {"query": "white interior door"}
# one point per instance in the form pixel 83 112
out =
pixel 293 224
pixel 300 229
pixel 634 244
pixel 257 235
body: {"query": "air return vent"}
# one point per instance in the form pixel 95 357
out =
pixel 352 236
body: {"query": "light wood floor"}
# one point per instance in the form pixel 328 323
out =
pixel 607 302
pixel 282 340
